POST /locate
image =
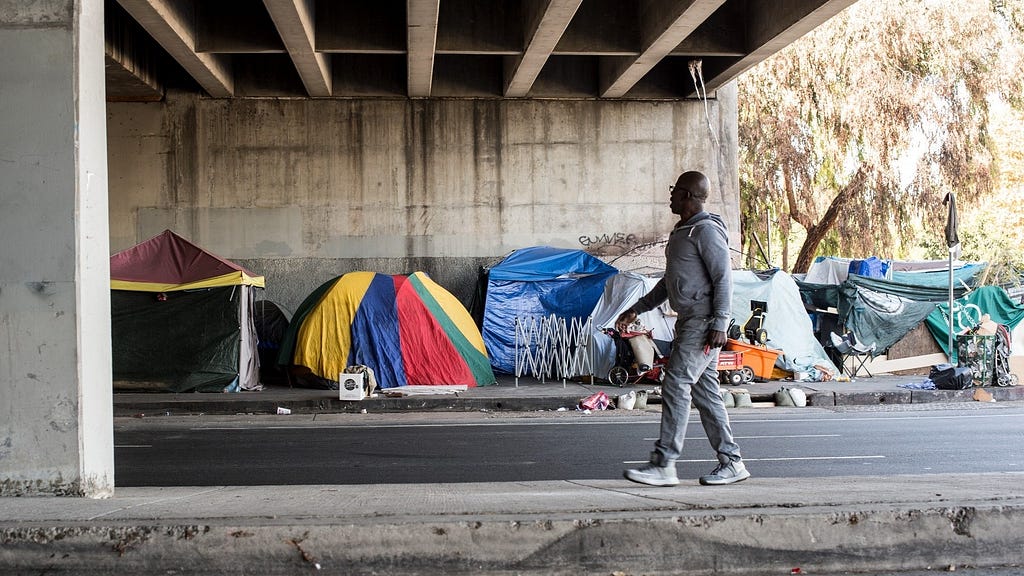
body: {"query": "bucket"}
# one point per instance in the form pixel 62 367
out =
pixel 626 401
pixel 641 400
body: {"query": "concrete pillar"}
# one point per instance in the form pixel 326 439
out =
pixel 56 417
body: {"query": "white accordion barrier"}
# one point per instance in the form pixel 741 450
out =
pixel 552 347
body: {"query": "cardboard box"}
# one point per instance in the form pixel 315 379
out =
pixel 351 387
pixel 1017 367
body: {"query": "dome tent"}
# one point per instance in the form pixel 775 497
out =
pixel 407 329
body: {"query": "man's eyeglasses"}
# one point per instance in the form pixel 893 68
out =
pixel 685 193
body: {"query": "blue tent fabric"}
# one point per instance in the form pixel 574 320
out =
pixel 546 263
pixel 535 283
pixel 964 275
pixel 372 346
pixel 871 267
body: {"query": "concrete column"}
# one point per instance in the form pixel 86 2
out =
pixel 56 418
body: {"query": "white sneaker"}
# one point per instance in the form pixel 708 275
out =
pixel 726 474
pixel 653 475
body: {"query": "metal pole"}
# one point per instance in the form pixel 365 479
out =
pixel 950 305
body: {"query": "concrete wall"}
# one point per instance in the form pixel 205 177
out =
pixel 302 190
pixel 55 395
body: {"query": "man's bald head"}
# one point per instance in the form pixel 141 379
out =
pixel 692 185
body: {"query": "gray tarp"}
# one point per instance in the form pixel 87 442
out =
pixel 879 318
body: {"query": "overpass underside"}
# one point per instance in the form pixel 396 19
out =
pixel 307 138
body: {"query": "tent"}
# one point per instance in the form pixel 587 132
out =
pixel 271 320
pixel 181 319
pixel 407 329
pixel 786 320
pixel 534 283
pixel 620 292
pixel 881 311
pixel 991 300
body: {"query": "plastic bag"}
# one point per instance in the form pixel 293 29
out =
pixel 596 401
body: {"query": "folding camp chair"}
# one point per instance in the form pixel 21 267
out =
pixel 853 353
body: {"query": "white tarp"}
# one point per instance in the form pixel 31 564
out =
pixel 620 292
pixel 786 320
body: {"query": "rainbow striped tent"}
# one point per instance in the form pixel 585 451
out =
pixel 408 329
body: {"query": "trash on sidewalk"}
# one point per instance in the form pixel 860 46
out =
pixel 424 390
pixel 626 401
pixel 741 396
pixel 983 396
pixel 794 397
pixel 925 385
pixel 596 401
pixel 283 411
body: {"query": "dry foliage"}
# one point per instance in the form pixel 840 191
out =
pixel 857 131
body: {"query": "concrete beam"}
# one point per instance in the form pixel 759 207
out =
pixel 778 24
pixel 545 28
pixel 421 25
pixel 663 26
pixel 175 31
pixel 296 24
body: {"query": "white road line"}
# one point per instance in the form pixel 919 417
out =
pixel 761 437
pixel 320 426
pixel 773 459
pixel 872 418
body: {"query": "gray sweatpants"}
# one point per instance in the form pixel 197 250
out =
pixel 692 374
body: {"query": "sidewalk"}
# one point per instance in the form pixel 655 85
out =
pixel 568 527
pixel 756 527
pixel 529 395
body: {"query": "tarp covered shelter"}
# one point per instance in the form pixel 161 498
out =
pixel 881 311
pixel 537 282
pixel 271 320
pixel 620 292
pixel 991 300
pixel 786 320
pixel 407 329
pixel 181 319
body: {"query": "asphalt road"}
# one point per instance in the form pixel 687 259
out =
pixel 213 451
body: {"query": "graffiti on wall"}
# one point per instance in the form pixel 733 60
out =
pixel 609 243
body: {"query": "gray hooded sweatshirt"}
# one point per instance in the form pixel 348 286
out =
pixel 698 272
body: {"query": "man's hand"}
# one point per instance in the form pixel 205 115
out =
pixel 624 320
pixel 716 339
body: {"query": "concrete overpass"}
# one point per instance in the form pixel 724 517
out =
pixel 456 48
pixel 306 139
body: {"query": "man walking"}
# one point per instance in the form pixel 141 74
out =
pixel 698 285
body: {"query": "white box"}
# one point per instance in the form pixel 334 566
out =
pixel 351 387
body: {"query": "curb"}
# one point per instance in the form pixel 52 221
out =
pixel 908 396
pixel 451 403
pixel 731 541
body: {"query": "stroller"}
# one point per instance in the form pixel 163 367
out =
pixel 636 357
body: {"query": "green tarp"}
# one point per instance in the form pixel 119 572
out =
pixel 991 300
pixel 175 341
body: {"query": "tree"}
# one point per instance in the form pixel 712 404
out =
pixel 857 131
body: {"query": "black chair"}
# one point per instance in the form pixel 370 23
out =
pixel 848 347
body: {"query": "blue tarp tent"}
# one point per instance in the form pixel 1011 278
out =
pixel 535 283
